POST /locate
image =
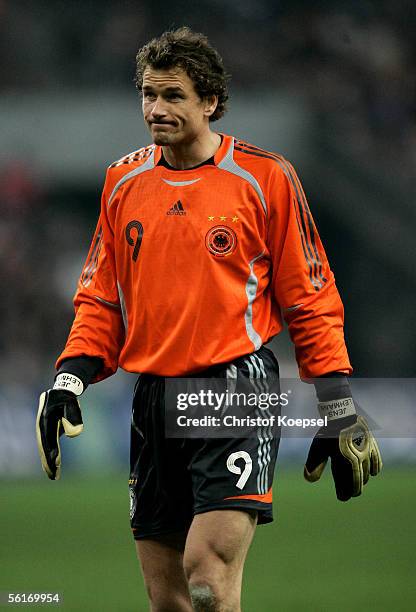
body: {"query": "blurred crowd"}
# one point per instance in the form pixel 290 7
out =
pixel 39 264
pixel 352 62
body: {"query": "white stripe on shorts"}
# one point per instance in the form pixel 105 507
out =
pixel 257 376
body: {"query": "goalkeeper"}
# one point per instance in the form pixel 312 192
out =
pixel 204 245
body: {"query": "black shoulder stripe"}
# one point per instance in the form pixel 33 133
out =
pixel 309 246
pixel 255 153
pixel 300 192
pixel 302 198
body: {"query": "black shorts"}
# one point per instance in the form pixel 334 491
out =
pixel 172 479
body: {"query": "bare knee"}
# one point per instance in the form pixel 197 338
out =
pixel 203 598
pixel 211 580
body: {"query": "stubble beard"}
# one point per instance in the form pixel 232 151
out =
pixel 162 140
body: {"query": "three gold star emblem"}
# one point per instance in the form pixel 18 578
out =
pixel 223 218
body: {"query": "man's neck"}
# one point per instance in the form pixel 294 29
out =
pixel 188 155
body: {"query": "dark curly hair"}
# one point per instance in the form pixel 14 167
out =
pixel 192 52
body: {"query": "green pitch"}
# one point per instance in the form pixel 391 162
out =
pixel 319 556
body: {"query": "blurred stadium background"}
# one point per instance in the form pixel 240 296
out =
pixel 331 86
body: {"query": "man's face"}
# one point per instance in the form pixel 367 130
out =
pixel 172 110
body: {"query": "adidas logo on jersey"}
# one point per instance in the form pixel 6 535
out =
pixel 177 209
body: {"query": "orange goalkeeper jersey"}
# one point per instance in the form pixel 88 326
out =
pixel 191 268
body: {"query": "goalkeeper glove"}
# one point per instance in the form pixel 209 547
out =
pixel 59 413
pixel 348 441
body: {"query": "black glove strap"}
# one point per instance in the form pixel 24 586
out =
pixel 332 387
